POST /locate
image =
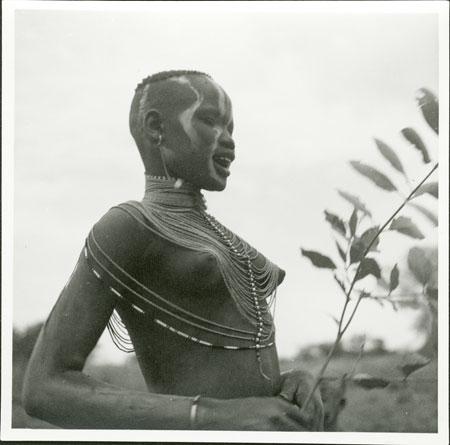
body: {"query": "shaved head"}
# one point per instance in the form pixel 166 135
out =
pixel 168 92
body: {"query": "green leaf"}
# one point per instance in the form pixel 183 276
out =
pixel 393 280
pixel 341 252
pixel 408 368
pixel 431 188
pixel 355 201
pixel 318 259
pixel 390 155
pixel 335 222
pixel 359 245
pixel 430 108
pixel 404 225
pixel 428 213
pixel 374 175
pixel 353 221
pixel 356 250
pixel 367 381
pixel 420 265
pixel 411 135
pixel 368 267
pixel 368 236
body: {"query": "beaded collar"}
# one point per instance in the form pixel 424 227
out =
pixel 172 193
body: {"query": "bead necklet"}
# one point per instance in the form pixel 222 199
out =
pixel 179 215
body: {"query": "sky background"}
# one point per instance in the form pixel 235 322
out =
pixel 309 92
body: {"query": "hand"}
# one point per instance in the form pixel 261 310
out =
pixel 295 387
pixel 252 414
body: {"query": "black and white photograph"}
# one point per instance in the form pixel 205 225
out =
pixel 225 221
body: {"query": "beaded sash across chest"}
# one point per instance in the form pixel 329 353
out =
pixel 179 215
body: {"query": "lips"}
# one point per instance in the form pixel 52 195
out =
pixel 222 163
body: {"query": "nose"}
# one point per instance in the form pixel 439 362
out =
pixel 226 140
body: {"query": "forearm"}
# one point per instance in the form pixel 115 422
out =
pixel 71 399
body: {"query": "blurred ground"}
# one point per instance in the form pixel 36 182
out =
pixel 401 407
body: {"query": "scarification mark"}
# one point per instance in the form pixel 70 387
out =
pixel 186 116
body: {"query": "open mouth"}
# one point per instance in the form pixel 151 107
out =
pixel 222 164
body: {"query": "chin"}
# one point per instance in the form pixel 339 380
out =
pixel 214 185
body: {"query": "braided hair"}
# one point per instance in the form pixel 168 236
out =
pixel 164 75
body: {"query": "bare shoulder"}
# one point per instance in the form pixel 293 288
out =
pixel 123 234
pixel 120 223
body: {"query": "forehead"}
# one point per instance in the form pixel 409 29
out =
pixel 207 92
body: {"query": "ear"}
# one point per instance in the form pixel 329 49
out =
pixel 153 126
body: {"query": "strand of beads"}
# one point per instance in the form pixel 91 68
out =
pixel 242 254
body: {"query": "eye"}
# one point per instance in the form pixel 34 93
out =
pixel 208 121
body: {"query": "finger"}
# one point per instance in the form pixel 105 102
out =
pixel 321 422
pixel 302 394
pixel 316 412
pixel 285 397
pixel 316 416
pixel 307 410
pixel 320 410
pixel 294 412
pixel 313 411
pixel 288 389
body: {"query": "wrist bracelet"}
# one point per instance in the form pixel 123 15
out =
pixel 193 414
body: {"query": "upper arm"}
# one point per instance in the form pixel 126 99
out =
pixel 85 305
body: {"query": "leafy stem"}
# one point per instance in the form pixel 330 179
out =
pixel 342 327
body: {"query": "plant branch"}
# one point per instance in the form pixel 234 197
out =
pixel 351 315
pixel 341 330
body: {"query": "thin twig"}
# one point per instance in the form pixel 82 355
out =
pixel 358 359
pixel 351 315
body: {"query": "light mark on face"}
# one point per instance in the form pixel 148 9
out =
pixel 187 115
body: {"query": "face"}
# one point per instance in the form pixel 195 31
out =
pixel 198 143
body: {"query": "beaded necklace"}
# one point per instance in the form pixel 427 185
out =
pixel 179 215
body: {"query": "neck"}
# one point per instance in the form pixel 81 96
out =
pixel 172 193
